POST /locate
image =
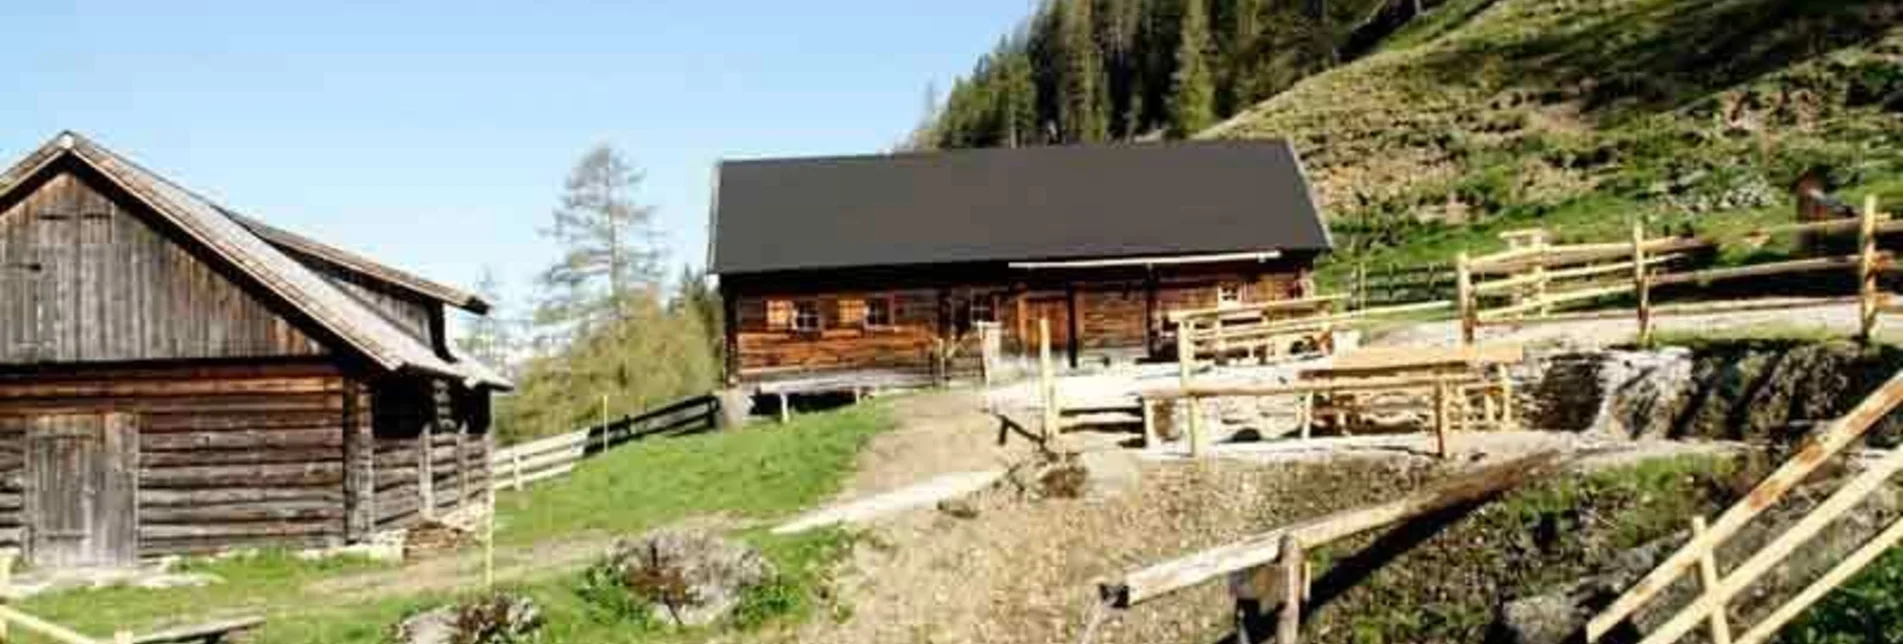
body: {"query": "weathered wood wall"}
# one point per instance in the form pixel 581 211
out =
pixel 228 455
pixel 85 277
pixel 1120 309
pixel 409 313
pixel 426 431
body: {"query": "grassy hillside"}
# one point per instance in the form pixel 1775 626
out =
pixel 1579 115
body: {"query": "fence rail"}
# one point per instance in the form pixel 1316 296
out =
pixel 542 459
pixel 1528 281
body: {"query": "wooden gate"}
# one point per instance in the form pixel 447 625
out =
pixel 82 490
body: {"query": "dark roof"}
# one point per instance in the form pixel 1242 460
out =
pixel 1043 203
pixel 305 247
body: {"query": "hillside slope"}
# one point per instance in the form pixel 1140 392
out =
pixel 1580 114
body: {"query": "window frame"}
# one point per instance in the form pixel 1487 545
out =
pixel 989 304
pixel 801 308
pixel 890 310
pixel 1229 294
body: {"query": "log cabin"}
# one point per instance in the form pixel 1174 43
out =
pixel 178 378
pixel 867 271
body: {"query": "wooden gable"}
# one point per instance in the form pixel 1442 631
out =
pixel 86 275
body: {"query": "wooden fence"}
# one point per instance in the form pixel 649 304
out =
pixel 519 465
pixel 1376 285
pixel 1532 279
pixel 1698 554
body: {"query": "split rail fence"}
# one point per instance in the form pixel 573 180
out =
pixel 1719 588
pixel 1531 279
pixel 520 465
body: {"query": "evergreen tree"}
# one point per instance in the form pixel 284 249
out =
pixel 695 298
pixel 1082 98
pixel 1017 101
pixel 607 240
pixel 1193 89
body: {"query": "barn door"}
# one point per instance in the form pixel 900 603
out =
pixel 81 490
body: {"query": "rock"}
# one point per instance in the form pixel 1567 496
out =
pixel 500 618
pixel 960 508
pixel 690 578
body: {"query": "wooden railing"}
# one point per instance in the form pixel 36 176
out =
pixel 1528 282
pixel 1270 329
pixel 1375 285
pixel 546 458
pixel 1709 606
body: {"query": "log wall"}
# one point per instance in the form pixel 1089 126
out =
pixel 425 432
pixel 229 455
pixel 85 277
pixel 1122 309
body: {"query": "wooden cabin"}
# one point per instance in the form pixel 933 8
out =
pixel 853 272
pixel 177 378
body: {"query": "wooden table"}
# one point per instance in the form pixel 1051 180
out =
pixel 1456 375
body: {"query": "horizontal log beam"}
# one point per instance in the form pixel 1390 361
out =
pixel 1306 387
pixel 1479 485
pixel 235 495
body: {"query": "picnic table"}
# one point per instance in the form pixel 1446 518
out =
pixel 1462 379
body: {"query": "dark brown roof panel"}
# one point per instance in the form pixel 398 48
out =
pixel 1020 204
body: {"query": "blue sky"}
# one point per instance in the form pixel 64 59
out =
pixel 435 135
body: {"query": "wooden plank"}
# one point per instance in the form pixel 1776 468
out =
pixel 1843 500
pixel 1167 577
pixel 1294 566
pixel 55 631
pixel 1867 262
pixel 1464 297
pixel 216 631
pixel 1826 442
pixel 1382 358
pixel 1640 283
pixel 1843 262
pixel 1396 383
pixel 1708 578
pixel 1838 574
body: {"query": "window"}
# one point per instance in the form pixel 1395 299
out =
pixel 779 315
pixel 852 312
pixel 983 309
pixel 806 315
pixel 879 312
pixel 1229 294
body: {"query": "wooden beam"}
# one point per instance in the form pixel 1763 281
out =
pixel 1825 443
pixel 1384 383
pixel 1170 576
pixel 1294 565
pixel 1708 578
pixel 1464 295
pixel 1867 272
pixel 1842 572
pixel 1640 284
pixel 1046 380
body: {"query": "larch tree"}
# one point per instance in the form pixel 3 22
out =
pixel 607 239
pixel 1193 88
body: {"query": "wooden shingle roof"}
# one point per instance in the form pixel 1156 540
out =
pixel 354 322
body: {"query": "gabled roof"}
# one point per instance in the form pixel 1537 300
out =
pixel 1024 204
pixel 297 244
pixel 357 324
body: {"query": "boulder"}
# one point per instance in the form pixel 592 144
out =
pixel 499 618
pixel 688 578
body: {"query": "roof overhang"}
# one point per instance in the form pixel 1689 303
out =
pixel 1156 260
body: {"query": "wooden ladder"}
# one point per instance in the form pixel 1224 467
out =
pixel 1709 607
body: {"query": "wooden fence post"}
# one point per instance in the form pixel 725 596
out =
pixel 1185 365
pixel 1463 292
pixel 1866 272
pixel 1708 577
pixel 1046 380
pixel 1288 626
pixel 7 558
pixel 1540 280
pixel 515 467
pixel 1440 418
pixel 1361 284
pixel 1641 283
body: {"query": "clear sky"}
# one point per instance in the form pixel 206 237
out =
pixel 435 135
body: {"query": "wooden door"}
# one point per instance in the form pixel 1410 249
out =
pixel 81 490
pixel 1057 310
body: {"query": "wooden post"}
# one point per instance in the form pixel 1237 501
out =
pixel 1507 401
pixel 1150 439
pixel 489 545
pixel 1708 576
pixel 122 637
pixel 1361 284
pixel 1185 365
pixel 1866 272
pixel 1440 418
pixel 1294 587
pixel 515 467
pixel 604 422
pixel 1046 379
pixel 7 557
pixel 786 408
pixel 1464 293
pixel 1305 414
pixel 426 468
pixel 1641 284
pixel 1539 275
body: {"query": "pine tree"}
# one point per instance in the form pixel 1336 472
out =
pixel 1082 98
pixel 1193 87
pixel 607 240
pixel 1017 101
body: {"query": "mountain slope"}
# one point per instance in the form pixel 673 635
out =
pixel 1580 114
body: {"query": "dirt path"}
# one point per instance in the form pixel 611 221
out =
pixel 1836 318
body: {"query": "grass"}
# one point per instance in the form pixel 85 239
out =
pixel 765 472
